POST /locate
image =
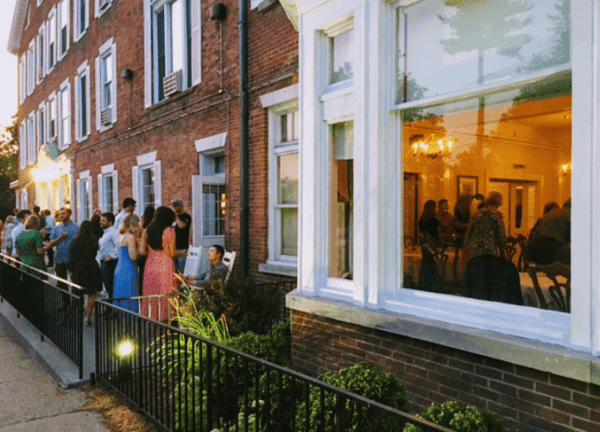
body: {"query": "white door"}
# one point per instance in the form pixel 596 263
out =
pixel 208 219
pixel 518 208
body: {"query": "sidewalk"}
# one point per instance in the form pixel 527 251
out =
pixel 32 401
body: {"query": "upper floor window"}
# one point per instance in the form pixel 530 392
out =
pixel 341 51
pixel 146 181
pixel 63 26
pixel 101 6
pixel 81 19
pixel 64 115
pixel 23 144
pixel 172 50
pixel 51 26
pixel 31 68
pixel 31 144
pixel 52 116
pixel 82 102
pixel 41 123
pixel 41 54
pixel 23 78
pixel 106 85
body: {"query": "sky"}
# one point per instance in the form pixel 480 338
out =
pixel 8 66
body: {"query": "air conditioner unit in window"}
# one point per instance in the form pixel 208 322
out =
pixel 105 117
pixel 172 83
pixel 103 4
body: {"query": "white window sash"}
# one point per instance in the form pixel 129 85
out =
pixel 51 40
pixel 79 32
pixel 64 113
pixel 66 25
pixel 147 55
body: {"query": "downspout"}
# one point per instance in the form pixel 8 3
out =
pixel 244 120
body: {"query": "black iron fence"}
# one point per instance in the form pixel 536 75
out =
pixel 52 305
pixel 187 383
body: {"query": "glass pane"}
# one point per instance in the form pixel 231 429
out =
pixel 64 13
pixel 148 186
pixel 108 193
pixel 341 201
pixel 477 42
pixel 287 168
pixel 342 57
pixel 177 34
pixel 289 232
pixel 213 217
pixel 485 168
pixel 160 52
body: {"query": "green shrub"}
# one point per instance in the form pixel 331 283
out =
pixel 362 379
pixel 460 418
pixel 261 346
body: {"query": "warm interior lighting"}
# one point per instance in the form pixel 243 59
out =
pixel 46 173
pixel 566 168
pixel 430 146
pixel 223 203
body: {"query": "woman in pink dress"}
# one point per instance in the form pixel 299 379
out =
pixel 158 242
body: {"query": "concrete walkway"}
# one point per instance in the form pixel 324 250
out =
pixel 32 401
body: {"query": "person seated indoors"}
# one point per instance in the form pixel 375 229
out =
pixel 550 238
pixel 447 228
pixel 216 273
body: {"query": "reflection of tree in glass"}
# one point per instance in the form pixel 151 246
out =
pixel 343 73
pixel 560 51
pixel 482 32
pixel 288 190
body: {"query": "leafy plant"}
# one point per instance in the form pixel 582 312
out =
pixel 363 379
pixel 460 418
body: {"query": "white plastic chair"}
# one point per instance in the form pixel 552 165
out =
pixel 228 260
pixel 192 262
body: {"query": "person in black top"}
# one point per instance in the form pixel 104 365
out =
pixel 182 225
pixel 429 223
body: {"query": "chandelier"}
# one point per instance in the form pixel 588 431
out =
pixel 431 147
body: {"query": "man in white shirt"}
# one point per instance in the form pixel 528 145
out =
pixel 16 232
pixel 108 252
pixel 50 224
pixel 128 207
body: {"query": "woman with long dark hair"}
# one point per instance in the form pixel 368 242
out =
pixel 141 262
pixel 428 223
pixel 85 270
pixel 158 242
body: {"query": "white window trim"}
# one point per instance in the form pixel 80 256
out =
pixel 84 178
pixel 106 171
pixel 23 144
pixel 82 71
pixel 65 85
pixel 98 12
pixel 108 48
pixel 51 14
pixel 280 102
pixel 23 78
pixel 77 32
pixel 31 67
pixel 31 139
pixel 53 97
pixel 59 25
pixel 42 138
pixel 147 160
pixel 41 48
pixel 579 330
pixel 150 71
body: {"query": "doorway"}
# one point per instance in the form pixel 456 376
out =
pixel 519 205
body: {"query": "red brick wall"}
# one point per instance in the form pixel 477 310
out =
pixel 524 398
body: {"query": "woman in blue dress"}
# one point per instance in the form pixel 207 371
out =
pixel 126 276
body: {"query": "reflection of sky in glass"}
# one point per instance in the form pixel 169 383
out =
pixel 342 57
pixel 440 72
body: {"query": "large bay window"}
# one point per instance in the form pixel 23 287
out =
pixel 171 47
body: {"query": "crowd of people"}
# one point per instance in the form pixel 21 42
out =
pixel 123 254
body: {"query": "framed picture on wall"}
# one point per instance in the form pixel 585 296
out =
pixel 467 184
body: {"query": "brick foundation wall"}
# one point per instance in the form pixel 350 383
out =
pixel 524 398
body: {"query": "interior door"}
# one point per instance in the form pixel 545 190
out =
pixel 208 219
pixel 519 205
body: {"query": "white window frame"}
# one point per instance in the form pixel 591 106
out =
pixel 31 141
pixel 108 171
pixel 84 183
pixel 109 48
pixel 42 125
pixel 40 68
pixel 31 67
pixel 378 168
pixel 83 71
pixel 23 78
pixel 51 41
pixel 52 103
pixel 63 23
pixel 144 161
pixel 78 33
pixel 279 103
pixel 62 142
pixel 151 79
pixel 23 144
pixel 98 12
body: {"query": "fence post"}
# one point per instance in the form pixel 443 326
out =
pixel 79 327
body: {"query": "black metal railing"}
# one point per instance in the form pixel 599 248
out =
pixel 187 383
pixel 54 306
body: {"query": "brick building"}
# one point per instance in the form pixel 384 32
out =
pixel 412 104
pixel 142 99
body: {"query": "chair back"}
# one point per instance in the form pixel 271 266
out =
pixel 560 291
pixel 533 271
pixel 228 260
pixel 192 262
pixel 522 262
pixel 488 277
pixel 511 248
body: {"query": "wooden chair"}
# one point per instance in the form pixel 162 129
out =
pixel 562 299
pixel 228 260
pixel 533 271
pixel 511 248
pixel 522 263
pixel 192 262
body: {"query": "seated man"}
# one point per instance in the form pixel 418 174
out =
pixel 216 273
